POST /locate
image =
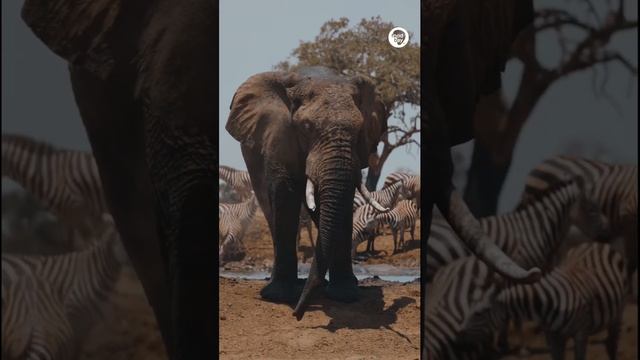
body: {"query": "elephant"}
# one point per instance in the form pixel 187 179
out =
pixel 143 81
pixel 467 43
pixel 306 134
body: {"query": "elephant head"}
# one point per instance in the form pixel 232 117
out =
pixel 314 130
pixel 467 43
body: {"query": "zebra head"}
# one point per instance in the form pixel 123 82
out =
pixel 483 323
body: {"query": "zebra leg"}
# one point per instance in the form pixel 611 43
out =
pixel 613 336
pixel 395 239
pixel 310 232
pixel 556 342
pixel 580 347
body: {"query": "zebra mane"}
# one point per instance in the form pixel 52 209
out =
pixel 30 142
pixel 553 189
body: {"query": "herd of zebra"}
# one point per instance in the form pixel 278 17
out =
pixel 49 302
pixel 46 300
pixel 468 308
pixel 400 193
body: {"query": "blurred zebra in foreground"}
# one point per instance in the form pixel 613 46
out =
pixel 234 219
pixel 401 218
pixel 581 297
pixel 529 234
pixel 613 187
pixel 239 180
pixel 66 182
pixel 49 302
pixel 449 299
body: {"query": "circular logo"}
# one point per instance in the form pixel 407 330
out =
pixel 398 37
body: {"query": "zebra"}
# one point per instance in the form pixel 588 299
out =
pixel 34 323
pixel 305 222
pixel 449 298
pixel 239 180
pixel 233 223
pixel 529 236
pixel 363 228
pixel 66 182
pixel 387 197
pixel 530 233
pixel 399 175
pixel 62 292
pixel 401 218
pixel 581 297
pixel 614 189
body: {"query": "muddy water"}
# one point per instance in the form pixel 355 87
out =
pixel 383 271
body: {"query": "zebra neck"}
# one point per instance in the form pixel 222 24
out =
pixel 94 273
pixel 23 162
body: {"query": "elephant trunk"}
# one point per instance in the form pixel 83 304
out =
pixel 335 193
pixel 468 228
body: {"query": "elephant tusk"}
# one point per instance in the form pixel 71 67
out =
pixel 311 201
pixel 367 196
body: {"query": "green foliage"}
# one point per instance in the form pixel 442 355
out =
pixel 365 50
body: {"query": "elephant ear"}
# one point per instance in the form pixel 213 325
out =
pixel 76 30
pixel 260 100
pixel 375 117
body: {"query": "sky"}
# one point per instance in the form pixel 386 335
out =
pixel 37 99
pixel 255 41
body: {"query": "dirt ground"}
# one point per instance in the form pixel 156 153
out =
pixel 384 324
pixel 627 346
pixel 259 249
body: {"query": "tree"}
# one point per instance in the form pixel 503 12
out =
pixel 364 50
pixel 498 126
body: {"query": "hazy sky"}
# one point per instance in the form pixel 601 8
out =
pixel 254 41
pixel 37 98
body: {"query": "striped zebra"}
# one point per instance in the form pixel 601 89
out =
pixel 63 294
pixel 66 182
pixel 529 234
pixel 584 295
pixel 614 189
pixel 449 299
pixel 233 223
pixel 399 175
pixel 306 223
pixel 364 228
pixel 34 323
pixel 401 218
pixel 387 197
pixel 239 180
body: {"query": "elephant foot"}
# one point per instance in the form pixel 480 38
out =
pixel 283 291
pixel 343 291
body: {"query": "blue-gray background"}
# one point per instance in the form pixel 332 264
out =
pixel 254 35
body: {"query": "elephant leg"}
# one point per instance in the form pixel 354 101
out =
pixel 280 200
pixel 108 115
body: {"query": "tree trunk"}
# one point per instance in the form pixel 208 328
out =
pixel 373 176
